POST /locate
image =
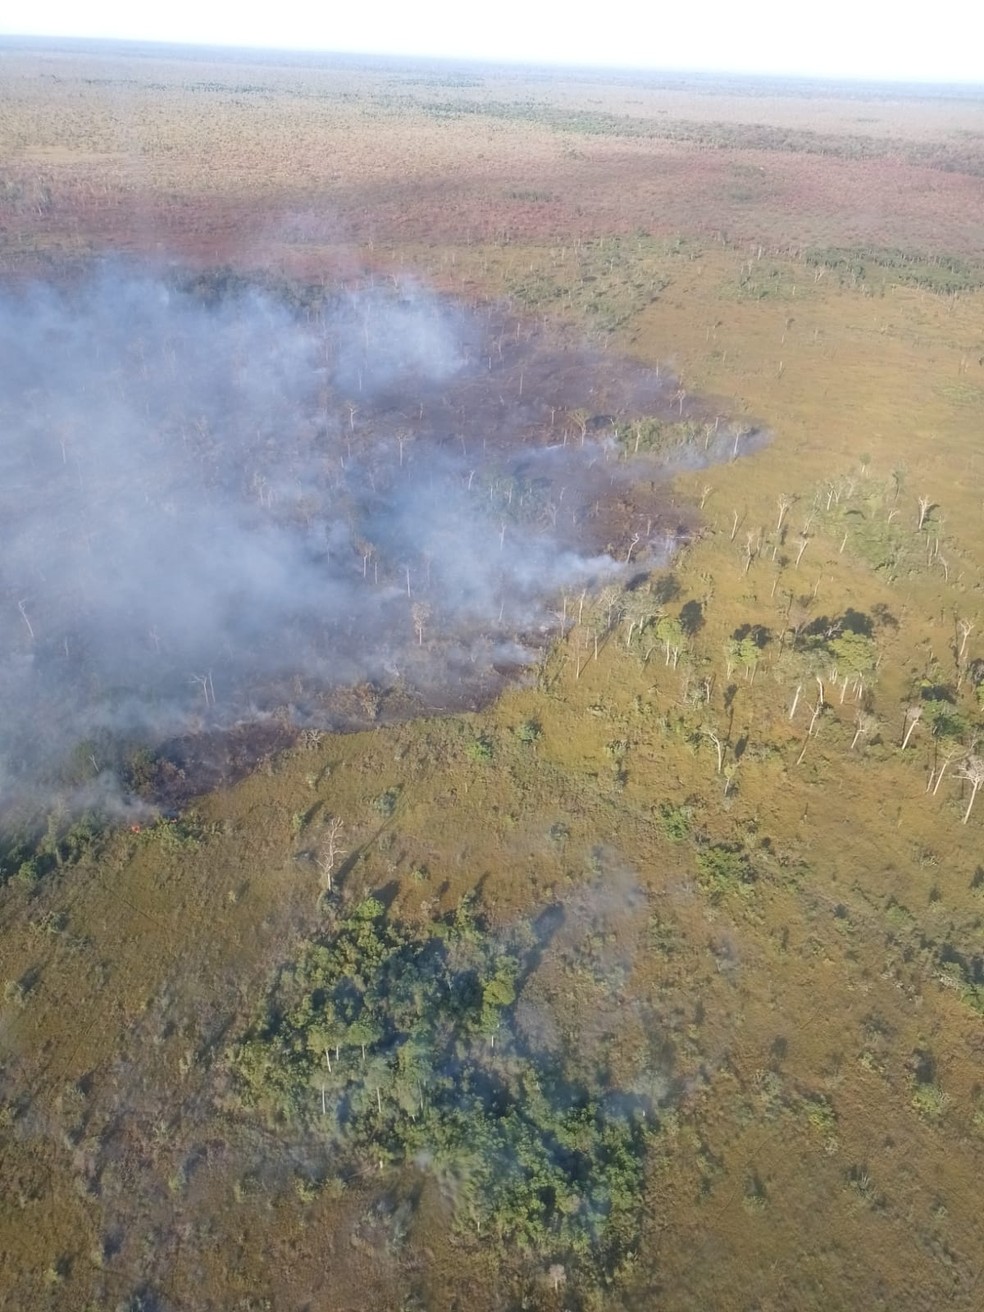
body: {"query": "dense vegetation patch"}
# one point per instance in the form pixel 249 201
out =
pixel 949 157
pixel 862 264
pixel 397 1044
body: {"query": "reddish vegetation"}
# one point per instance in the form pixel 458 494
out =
pixel 157 157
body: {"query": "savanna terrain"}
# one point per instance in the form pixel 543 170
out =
pixel 650 973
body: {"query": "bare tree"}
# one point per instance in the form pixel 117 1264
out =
pixel 815 715
pixel 973 771
pixel 952 753
pixel 204 682
pixel 751 551
pixel 912 717
pixel 925 506
pixel 330 851
pixel 21 607
pixel 638 608
pixel 784 503
pixel 718 746
pixel 366 551
pixel 421 614
pixel 865 725
pixel 965 628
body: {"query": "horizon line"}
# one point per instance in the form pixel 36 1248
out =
pixel 881 80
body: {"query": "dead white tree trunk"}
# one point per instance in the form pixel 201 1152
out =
pixel 330 853
pixel 950 756
pixel 718 746
pixel 20 607
pixel 866 725
pixel 912 717
pixel 965 628
pixel 973 771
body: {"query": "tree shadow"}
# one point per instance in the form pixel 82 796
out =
pixel 692 618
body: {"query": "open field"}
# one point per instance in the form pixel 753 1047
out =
pixel 724 916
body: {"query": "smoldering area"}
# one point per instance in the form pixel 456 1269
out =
pixel 229 513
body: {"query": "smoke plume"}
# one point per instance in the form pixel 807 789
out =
pixel 216 504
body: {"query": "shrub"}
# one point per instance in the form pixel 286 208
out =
pixel 724 869
pixel 676 821
pixel 528 732
pixel 479 749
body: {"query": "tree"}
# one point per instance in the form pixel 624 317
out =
pixel 912 717
pixel 973 771
pixel 670 633
pixel 856 657
pixel 421 614
pixel 865 726
pixel 952 752
pixel 965 629
pixel 639 609
pixel 746 652
pixel 330 851
pixel 718 746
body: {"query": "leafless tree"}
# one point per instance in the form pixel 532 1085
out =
pixel 330 851
pixel 814 716
pixel 365 550
pixel 912 717
pixel 751 551
pixel 864 726
pixel 951 755
pixel 796 697
pixel 973 771
pixel 421 614
pixel 925 506
pixel 965 628
pixel 784 503
pixel 639 609
pixel 718 747
pixel 21 607
pixel 741 432
pixel 204 682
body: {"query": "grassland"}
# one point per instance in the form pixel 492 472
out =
pixel 780 946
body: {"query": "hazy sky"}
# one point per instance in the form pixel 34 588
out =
pixel 839 38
